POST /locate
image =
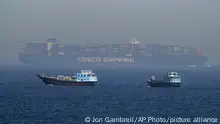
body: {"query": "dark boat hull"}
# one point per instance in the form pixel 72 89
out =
pixel 163 84
pixel 50 81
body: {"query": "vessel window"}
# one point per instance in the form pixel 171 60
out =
pixel 89 75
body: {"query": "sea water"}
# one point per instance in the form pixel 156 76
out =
pixel 119 95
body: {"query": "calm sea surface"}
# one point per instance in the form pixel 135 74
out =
pixel 24 99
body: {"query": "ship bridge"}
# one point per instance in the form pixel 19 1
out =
pixel 134 41
pixel 198 52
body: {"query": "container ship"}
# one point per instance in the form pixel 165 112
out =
pixel 50 53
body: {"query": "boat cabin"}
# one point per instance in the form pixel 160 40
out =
pixel 172 74
pixel 85 75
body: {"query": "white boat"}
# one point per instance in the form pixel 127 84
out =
pixel 172 79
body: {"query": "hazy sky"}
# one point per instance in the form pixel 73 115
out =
pixel 180 22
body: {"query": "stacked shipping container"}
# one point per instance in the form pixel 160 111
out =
pixel 107 49
pixel 36 48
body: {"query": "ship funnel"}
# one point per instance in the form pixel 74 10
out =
pixel 134 41
pixel 198 51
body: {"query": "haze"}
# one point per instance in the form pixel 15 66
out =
pixel 185 22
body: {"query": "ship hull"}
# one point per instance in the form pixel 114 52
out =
pixel 77 61
pixel 50 81
pixel 163 84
